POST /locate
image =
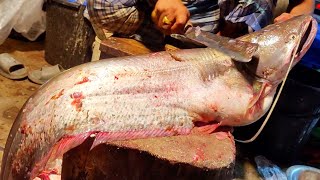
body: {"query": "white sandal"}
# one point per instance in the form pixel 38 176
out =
pixel 42 75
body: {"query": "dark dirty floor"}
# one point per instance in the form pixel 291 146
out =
pixel 13 94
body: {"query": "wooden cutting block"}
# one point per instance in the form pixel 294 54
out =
pixel 194 156
pixel 117 47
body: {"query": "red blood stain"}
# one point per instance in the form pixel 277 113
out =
pixel 84 80
pixel 76 95
pixel 251 110
pixel 172 130
pixel 199 155
pixel 77 102
pixel 259 105
pixel 70 128
pixel 54 97
pixel 58 95
pixel 155 96
pixel 214 108
pixel 25 129
pixel 44 175
pixel 116 77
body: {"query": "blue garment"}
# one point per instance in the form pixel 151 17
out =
pixel 311 58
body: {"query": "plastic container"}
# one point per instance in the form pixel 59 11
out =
pixel 295 172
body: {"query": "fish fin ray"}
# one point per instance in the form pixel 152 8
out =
pixel 209 62
pixel 103 137
pixel 239 50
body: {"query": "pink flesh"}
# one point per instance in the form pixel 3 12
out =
pixel 102 137
pixel 45 175
pixel 59 149
pixel 222 135
pixel 210 128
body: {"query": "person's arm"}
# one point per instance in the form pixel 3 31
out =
pixel 305 7
pixel 170 16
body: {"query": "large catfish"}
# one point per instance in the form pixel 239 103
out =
pixel 159 94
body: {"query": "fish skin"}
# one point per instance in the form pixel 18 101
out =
pixel 279 46
pixel 163 88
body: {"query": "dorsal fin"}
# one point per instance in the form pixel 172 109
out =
pixel 238 50
pixel 210 62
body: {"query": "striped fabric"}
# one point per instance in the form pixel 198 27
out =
pixel 131 18
pixel 255 13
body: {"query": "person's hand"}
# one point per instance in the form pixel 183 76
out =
pixel 283 17
pixel 170 16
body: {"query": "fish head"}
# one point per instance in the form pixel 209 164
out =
pixel 279 44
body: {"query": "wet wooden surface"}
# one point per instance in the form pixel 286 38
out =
pixel 195 156
pixel 115 47
pixel 14 93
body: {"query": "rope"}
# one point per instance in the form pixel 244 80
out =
pixel 274 102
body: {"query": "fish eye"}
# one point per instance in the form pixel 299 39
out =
pixel 292 37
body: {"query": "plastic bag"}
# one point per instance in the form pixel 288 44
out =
pixel 24 16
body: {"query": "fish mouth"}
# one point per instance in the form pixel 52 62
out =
pixel 309 30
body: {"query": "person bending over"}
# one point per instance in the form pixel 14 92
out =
pixel 150 20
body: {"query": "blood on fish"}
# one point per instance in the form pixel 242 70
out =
pixel 116 77
pixel 25 129
pixel 84 80
pixel 250 110
pixel 172 130
pixel 70 128
pixel 214 108
pixel 208 128
pixel 76 95
pixel 44 175
pixel 77 102
pixel 56 96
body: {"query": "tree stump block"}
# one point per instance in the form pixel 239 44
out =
pixel 118 47
pixel 194 156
